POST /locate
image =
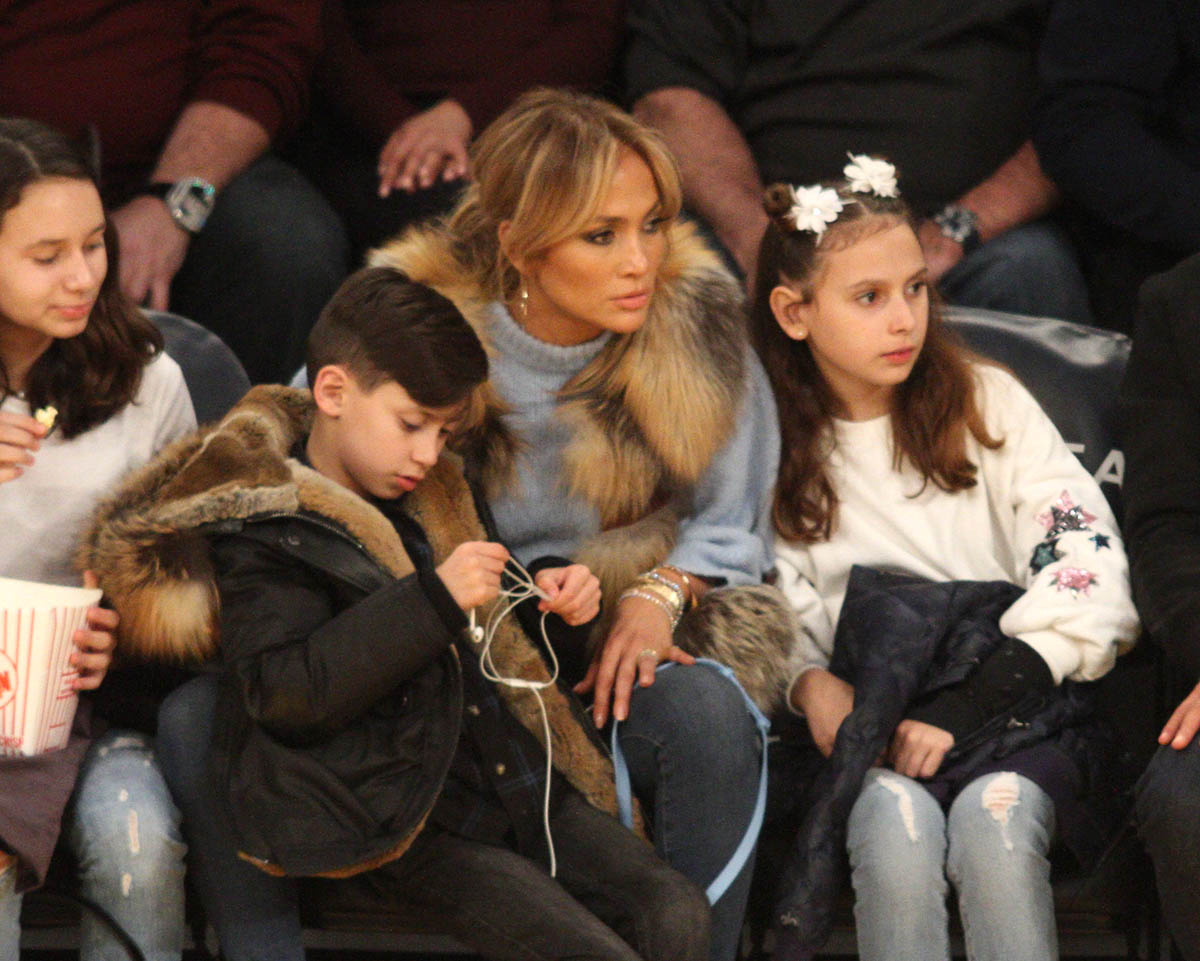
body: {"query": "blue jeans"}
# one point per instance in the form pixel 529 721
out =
pixel 1168 815
pixel 992 846
pixel 255 915
pixel 259 273
pixel 1032 269
pixel 124 831
pixel 694 753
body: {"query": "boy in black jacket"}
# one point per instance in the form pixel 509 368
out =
pixel 355 730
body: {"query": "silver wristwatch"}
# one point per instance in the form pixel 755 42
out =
pixel 189 200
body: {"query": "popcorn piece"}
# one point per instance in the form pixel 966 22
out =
pixel 46 416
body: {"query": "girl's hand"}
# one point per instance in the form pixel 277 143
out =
pixel 574 593
pixel 639 640
pixel 20 435
pixel 825 699
pixel 472 572
pixel 95 642
pixel 917 748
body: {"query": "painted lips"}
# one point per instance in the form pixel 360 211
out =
pixel 634 301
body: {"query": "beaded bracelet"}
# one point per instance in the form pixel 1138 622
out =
pixel 671 585
pixel 659 602
pixel 693 597
pixel 670 596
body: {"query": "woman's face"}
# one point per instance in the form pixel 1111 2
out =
pixel 52 260
pixel 602 278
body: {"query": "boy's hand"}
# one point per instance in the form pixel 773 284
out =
pixel 472 572
pixel 19 437
pixel 917 748
pixel 573 593
pixel 95 643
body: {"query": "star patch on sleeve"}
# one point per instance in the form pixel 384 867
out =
pixel 1045 554
pixel 1100 540
pixel 1065 515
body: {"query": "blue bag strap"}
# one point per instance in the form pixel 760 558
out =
pixel 741 854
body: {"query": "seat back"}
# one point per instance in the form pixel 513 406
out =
pixel 1074 372
pixel 215 377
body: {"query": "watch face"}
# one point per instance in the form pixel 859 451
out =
pixel 190 202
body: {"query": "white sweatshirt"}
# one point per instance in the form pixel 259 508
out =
pixel 43 512
pixel 1035 518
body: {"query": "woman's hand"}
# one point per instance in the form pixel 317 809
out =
pixel 639 640
pixel 95 643
pixel 917 748
pixel 427 146
pixel 20 435
pixel 472 572
pixel 574 593
pixel 825 699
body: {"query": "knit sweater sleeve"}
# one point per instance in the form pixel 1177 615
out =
pixel 727 536
pixel 1077 611
pixel 814 644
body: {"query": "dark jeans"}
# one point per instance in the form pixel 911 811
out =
pixel 1168 814
pixel 269 258
pixel 613 898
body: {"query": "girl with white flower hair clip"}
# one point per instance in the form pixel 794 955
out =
pixel 904 453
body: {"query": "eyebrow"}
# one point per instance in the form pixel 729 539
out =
pixel 54 241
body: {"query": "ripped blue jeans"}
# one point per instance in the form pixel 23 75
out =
pixel 992 845
pixel 124 830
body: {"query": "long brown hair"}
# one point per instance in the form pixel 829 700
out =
pixel 932 410
pixel 93 375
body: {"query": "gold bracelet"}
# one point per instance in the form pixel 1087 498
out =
pixel 672 598
pixel 693 597
pixel 672 586
pixel 654 599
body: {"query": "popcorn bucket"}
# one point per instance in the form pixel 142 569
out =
pixel 37 702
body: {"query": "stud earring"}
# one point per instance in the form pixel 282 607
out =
pixel 523 301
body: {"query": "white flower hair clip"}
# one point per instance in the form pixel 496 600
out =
pixel 871 175
pixel 813 208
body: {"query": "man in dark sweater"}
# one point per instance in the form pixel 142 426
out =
pixel 748 94
pixel 1118 129
pixel 1160 409
pixel 186 97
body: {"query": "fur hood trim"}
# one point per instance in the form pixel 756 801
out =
pixel 652 409
pixel 148 549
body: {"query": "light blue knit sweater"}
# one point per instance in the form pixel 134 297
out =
pixel 727 535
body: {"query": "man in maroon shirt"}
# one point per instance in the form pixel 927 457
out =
pixel 186 97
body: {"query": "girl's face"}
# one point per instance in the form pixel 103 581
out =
pixel 603 278
pixel 867 318
pixel 52 260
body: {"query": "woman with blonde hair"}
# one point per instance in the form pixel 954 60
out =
pixel 631 429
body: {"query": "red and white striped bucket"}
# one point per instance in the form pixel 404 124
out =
pixel 37 701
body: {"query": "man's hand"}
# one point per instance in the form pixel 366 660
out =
pixel 152 250
pixel 95 643
pixel 573 591
pixel 430 145
pixel 20 436
pixel 472 572
pixel 1183 723
pixel 917 748
pixel 941 253
pixel 825 700
pixel 639 640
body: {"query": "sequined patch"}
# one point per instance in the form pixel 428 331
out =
pixel 1074 579
pixel 1065 515
pixel 1045 554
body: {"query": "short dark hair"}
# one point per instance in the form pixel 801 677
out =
pixel 93 375
pixel 381 325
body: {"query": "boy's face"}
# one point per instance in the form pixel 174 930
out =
pixel 379 442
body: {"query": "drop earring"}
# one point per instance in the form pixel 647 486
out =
pixel 523 301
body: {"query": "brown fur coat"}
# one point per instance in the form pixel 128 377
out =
pixel 147 547
pixel 648 415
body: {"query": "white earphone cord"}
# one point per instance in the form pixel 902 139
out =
pixel 524 590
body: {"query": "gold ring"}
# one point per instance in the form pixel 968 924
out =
pixel 649 652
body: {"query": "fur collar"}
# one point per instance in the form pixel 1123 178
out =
pixel 652 409
pixel 149 553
